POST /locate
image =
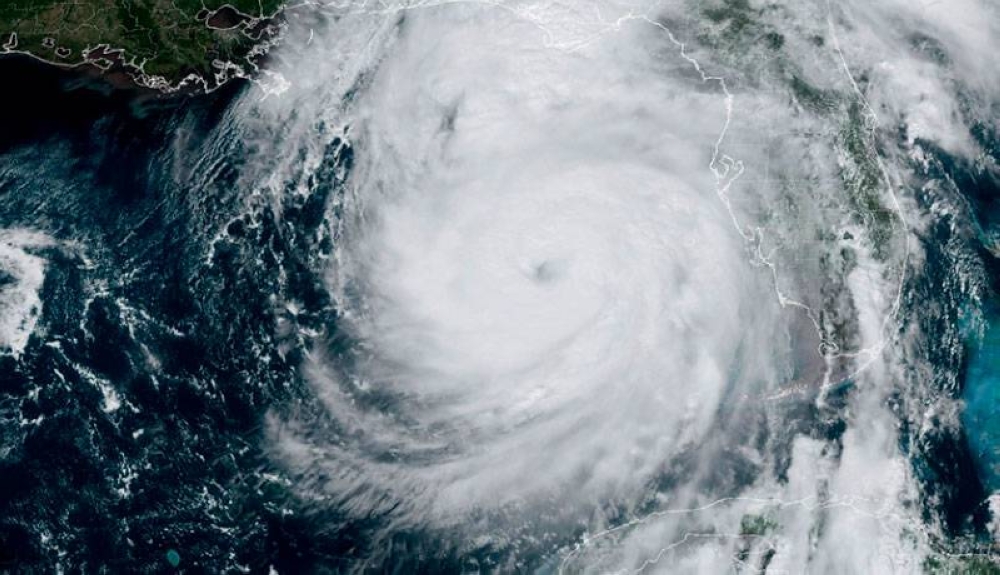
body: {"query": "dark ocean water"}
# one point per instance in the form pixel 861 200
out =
pixel 158 286
pixel 955 466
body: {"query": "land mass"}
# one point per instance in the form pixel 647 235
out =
pixel 165 45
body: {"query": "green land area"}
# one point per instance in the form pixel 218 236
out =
pixel 153 43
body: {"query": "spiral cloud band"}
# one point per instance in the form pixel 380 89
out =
pixel 579 290
pixel 538 268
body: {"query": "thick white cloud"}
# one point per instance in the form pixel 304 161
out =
pixel 547 277
pixel 24 271
pixel 548 299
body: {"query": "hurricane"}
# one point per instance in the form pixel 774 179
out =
pixel 525 286
pixel 581 290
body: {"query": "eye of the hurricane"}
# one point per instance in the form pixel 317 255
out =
pixel 549 303
pixel 547 272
